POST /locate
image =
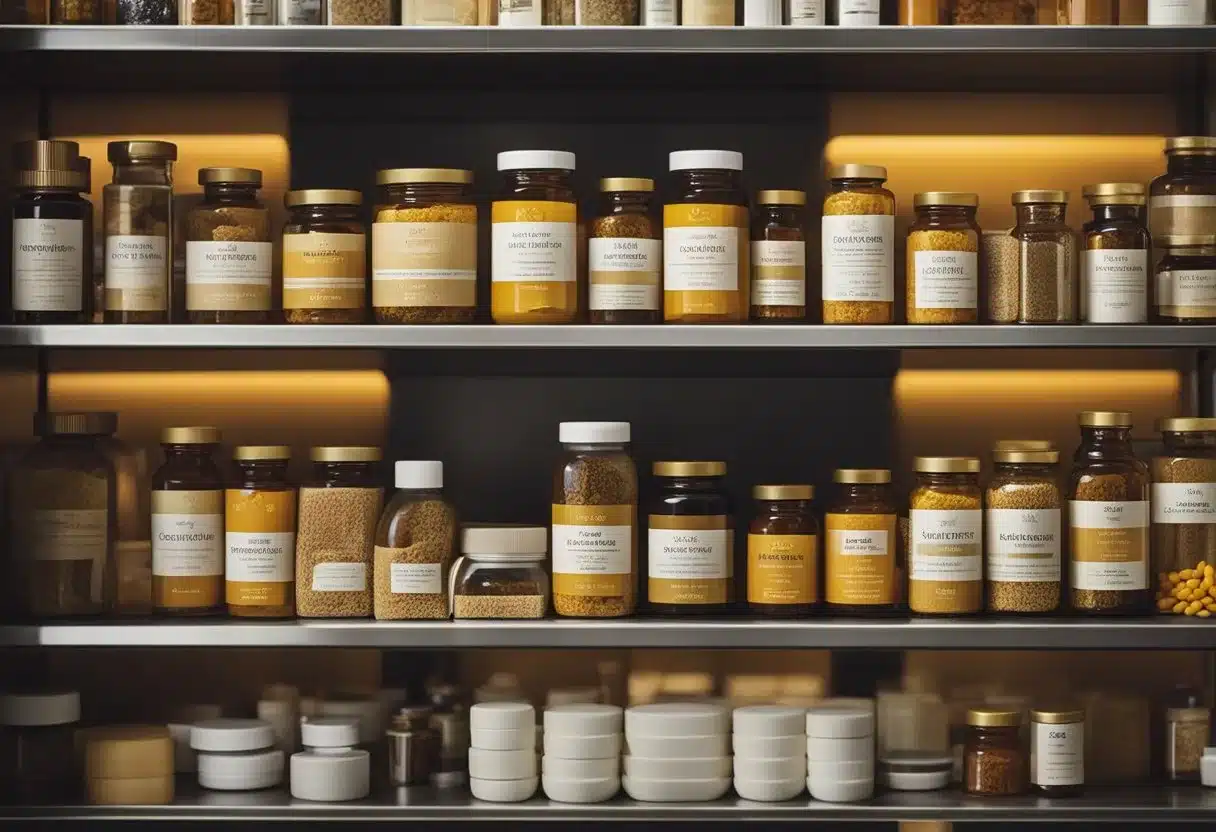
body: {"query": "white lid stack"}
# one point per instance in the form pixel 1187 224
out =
pixel 770 752
pixel 502 754
pixel 582 752
pixel 677 752
pixel 236 754
pixel 840 750
pixel 331 770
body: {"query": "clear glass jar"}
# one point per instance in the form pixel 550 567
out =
pixel 1047 253
pixel 1182 201
pixel 37 746
pixel 260 534
pixel 415 541
pixel 692 509
pixel 783 552
pixel 534 252
pixel 324 258
pixel 778 289
pixel 206 12
pixel 1109 528
pixel 1186 283
pixel 1184 517
pixel 78 12
pixel 595 516
pixel 624 253
pixel 945 561
pixel 1022 508
pixel 705 239
pixel 145 12
pixel 943 259
pixel 138 207
pixel 1187 732
pixel 424 247
pixel 439 13
pixel 994 755
pixel 229 256
pixel 1115 264
pixel 858 247
pixel 1057 752
pixel 1087 13
pixel 993 12
pixel 359 12
pixel 861 544
pixel 501 572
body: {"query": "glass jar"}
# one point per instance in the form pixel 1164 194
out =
pixel 595 515
pixel 424 247
pixel 78 12
pixel 439 13
pixel 1047 258
pixel 1114 266
pixel 339 512
pixel 924 13
pixel 994 757
pixel 1023 531
pixel 324 258
pixel 188 524
pixel 23 12
pixel 778 290
pixel 260 534
pixel 612 13
pixel 707 12
pixel 1186 282
pixel 705 245
pixel 943 259
pixel 206 12
pixel 229 256
pixel 64 521
pixel 1184 517
pixel 858 247
pixel 415 541
pixel 993 12
pixel 138 207
pixel 861 541
pixel 783 552
pixel 1109 527
pixel 52 235
pixel 413 747
pixel 692 511
pixel 1002 263
pixel 625 254
pixel 37 746
pixel 1182 201
pixel 1057 752
pixel 501 572
pixel 946 564
pixel 359 12
pixel 1187 733
pixel 534 251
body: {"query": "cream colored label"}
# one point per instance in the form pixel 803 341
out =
pixel 519 13
pixel 1023 544
pixel 707 13
pixel 807 13
pixel 1184 502
pixel 946 545
pixel 859 564
pixel 699 259
pixel 339 577
pixel 624 273
pixel 416 578
pixel 65 534
pixel 261 546
pixel 324 271
pixel 48 265
pixel 946 279
pixel 859 257
pixel 534 242
pixel 424 264
pixel 1115 290
pixel 1183 215
pixel 187 533
pixel 593 550
pixel 858 13
pixel 137 273
pixel 1057 754
pixel 778 273
pixel 782 569
pixel 1109 544
pixel 691 559
pixel 228 276
pixel 1187 293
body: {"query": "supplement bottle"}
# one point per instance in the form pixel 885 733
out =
pixel 1184 517
pixel 861 541
pixel 260 534
pixel 858 247
pixel 783 552
pixel 324 258
pixel 415 542
pixel 1114 264
pixel 946 569
pixel 1047 258
pixel 1186 281
pixel 691 540
pixel 1057 752
pixel 943 259
pixel 1022 514
pixel 501 572
pixel 625 254
pixel 138 207
pixel 1182 201
pixel 779 256
pixel 994 758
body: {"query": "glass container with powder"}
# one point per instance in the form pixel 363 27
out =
pixel 324 258
pixel 1115 260
pixel 625 254
pixel 1047 251
pixel 229 255
pixel 946 571
pixel 858 247
pixel 415 540
pixel 138 207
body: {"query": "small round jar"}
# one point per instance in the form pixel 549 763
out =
pixel 943 259
pixel 1184 516
pixel 945 558
pixel 1187 732
pixel 778 285
pixel 783 552
pixel 324 258
pixel 37 743
pixel 260 534
pixel 625 254
pixel 501 573
pixel 1115 252
pixel 424 247
pixel 692 510
pixel 229 254
pixel 1186 281
pixel 1182 201
pixel 861 544
pixel 1023 522
pixel 858 247
pixel 1047 258
pixel 994 755
pixel 1057 752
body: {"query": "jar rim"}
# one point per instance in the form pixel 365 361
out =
pixel 634 184
pixel 784 492
pixel 947 465
pixel 862 476
pixel 994 718
pixel 421 176
pixel 256 453
pixel 230 176
pixel 781 197
pixel 1200 145
pixel 1030 197
pixel 854 171
pixel 1104 419
pixel 1062 717
pixel 322 196
pixel 136 150
pixel 1187 424
pixel 96 423
pixel 1041 457
pixel 345 453
pixel 668 468
pixel 957 199
pixel 193 435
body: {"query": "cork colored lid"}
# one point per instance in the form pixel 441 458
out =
pixel 689 469
pixel 322 196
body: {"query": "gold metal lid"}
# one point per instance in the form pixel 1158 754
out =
pixel 345 453
pixel 1113 189
pixel 857 172
pixel 1190 144
pixel 1041 457
pixel 626 183
pixel 784 492
pixel 1033 196
pixel 72 180
pixel 255 452
pixel 45 154
pixel 1185 424
pixel 129 151
pixel 100 423
pixel 231 176
pixel 190 436
pixel 1104 419
pixel 1053 717
pixel 862 476
pixel 960 198
pixel 781 198
pixel 1023 445
pixel 405 176
pixel 994 718
pixel 947 465
pixel 322 196
pixel 689 469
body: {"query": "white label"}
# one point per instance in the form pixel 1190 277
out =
pixel 300 12
pixel 858 257
pixel 779 253
pixel 1187 287
pixel 946 279
pixel 935 532
pixel 858 13
pixel 1177 12
pixel 624 254
pixel 1184 502
pixel 339 577
pixel 866 543
pixel 1116 286
pixel 659 13
pixel 136 261
pixel 254 13
pixel 698 258
pixel 806 13
pixel 519 13
pixel 187 545
pixel 690 554
pixel 48 265
pixel 1023 544
pixel 1108 516
pixel 261 556
pixel 592 550
pixel 534 252
pixel 218 264
pixel 788 254
pixel 1113 514
pixel 778 293
pixel 1057 754
pixel 624 296
pixel 416 578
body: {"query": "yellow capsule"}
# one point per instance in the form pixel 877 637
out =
pixel 1205 584
pixel 1180 606
pixel 1204 613
pixel 1174 577
pixel 1212 592
pixel 1209 602
pixel 1165 603
pixel 1209 571
pixel 1186 574
pixel 1190 611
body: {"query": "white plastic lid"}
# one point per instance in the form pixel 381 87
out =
pixel 839 722
pixel 705 160
pixel 535 160
pixel 677 719
pixel 499 716
pixel 329 732
pixel 481 541
pixel 367 712
pixel 593 432
pixel 231 735
pixel 583 720
pixel 572 696
pixel 39 709
pixel 769 721
pixel 254 766
pixel 330 776
pixel 413 473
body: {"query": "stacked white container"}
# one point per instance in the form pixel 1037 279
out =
pixel 676 752
pixel 236 754
pixel 502 756
pixel 331 770
pixel 582 762
pixel 770 752
pixel 840 751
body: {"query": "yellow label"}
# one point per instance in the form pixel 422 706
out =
pixel 260 541
pixel 696 284
pixel 594 550
pixel 324 271
pixel 781 569
pixel 524 210
pixel 187 549
pixel 860 558
pixel 424 264
pixel 691 559
pixel 708 13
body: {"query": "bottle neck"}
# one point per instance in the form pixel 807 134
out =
pixel 196 454
pixel 423 493
pixel 783 508
pixel 694 484
pixel 322 213
pixel 537 178
pixel 595 446
pixel 1180 443
pixel 230 192
pixel 946 213
pixel 144 172
pixel 346 473
pixel 955 479
pixel 255 472
pixel 1107 438
pixel 870 492
pixel 789 216
pixel 710 179
pixel 626 202
pixel 1192 163
pixel 1041 213
pixel 856 184
pixel 1044 470
pixel 1118 212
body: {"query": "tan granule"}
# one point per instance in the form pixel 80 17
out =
pixel 1105 488
pixel 423 532
pixel 500 606
pixel 1023 596
pixel 1001 258
pixel 858 311
pixel 937 240
pixel 337 525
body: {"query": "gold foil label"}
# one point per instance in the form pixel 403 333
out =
pixel 594 550
pixel 782 569
pixel 706 260
pixel 1109 542
pixel 228 276
pixel 424 264
pixel 1182 215
pixel 860 559
pixel 691 559
pixel 946 560
pixel 324 271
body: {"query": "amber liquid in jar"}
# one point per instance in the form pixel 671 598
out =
pixel 324 258
pixel 861 542
pixel 783 552
pixel 778 286
pixel 260 535
pixel 625 259
pixel 229 254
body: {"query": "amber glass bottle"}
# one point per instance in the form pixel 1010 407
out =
pixel 783 552
pixel 260 534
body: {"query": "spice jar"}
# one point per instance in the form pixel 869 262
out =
pixel 534 250
pixel 858 247
pixel 1187 732
pixel 994 758
pixel 414 544
pixel 993 12
pixel 206 12
pixel 705 245
pixel 1184 517
pixel 501 573
pixel 63 521
pixel 37 745
pixel 145 12
pixel 1182 201
pixel 691 540
pixel 1186 282
pixel 260 534
pixel 424 247
pixel 707 12
pixel 1057 752
pixel 324 258
pixel 188 524
pixel 1023 531
pixel 943 259
pixel 359 12
pixel 625 254
pixel 79 12
pixel 606 12
pixel 339 510
pixel 1114 267
pixel 861 543
pixel 946 566
pixel 1109 527
pixel 595 530
pixel 138 208
pixel 1047 258
pixel 779 256
pixel 783 552
pixel 439 13
pixel 228 250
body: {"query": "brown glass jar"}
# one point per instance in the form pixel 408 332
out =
pixel 778 286
pixel 188 524
pixel 994 756
pixel 858 247
pixel 1186 282
pixel 1114 258
pixel 324 258
pixel 1182 201
pixel 229 254
pixel 946 542
pixel 1184 516
pixel 260 534
pixel 861 545
pixel 77 12
pixel 138 209
pixel 692 511
pixel 1057 752
pixel 942 263
pixel 783 552
pixel 625 257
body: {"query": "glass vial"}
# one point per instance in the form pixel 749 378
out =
pixel 943 259
pixel 324 258
pixel 691 512
pixel 1047 251
pixel 229 256
pixel 778 286
pixel 1114 265
pixel 260 534
pixel 1186 281
pixel 783 552
pixel 946 564
pixel 625 257
pixel 858 247
pixel 861 538
pixel 138 208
